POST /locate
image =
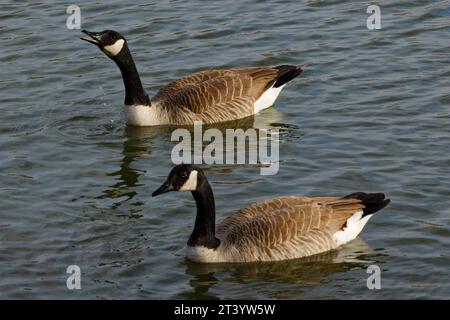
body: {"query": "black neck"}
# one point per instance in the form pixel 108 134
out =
pixel 204 228
pixel 134 92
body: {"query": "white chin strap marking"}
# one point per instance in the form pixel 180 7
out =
pixel 191 183
pixel 114 49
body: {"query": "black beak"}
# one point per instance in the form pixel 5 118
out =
pixel 166 187
pixel 95 37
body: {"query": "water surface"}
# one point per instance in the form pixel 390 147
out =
pixel 370 113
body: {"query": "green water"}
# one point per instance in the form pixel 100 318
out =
pixel 370 113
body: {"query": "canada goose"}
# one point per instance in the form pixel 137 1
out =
pixel 210 96
pixel 274 229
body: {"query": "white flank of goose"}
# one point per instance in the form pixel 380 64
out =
pixel 209 96
pixel 274 229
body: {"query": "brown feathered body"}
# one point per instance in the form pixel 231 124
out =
pixel 284 228
pixel 214 96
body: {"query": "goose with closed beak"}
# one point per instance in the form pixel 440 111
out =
pixel 209 96
pixel 270 230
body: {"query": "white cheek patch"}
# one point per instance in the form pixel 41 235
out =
pixel 191 183
pixel 115 48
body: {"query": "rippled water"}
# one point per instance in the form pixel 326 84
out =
pixel 371 113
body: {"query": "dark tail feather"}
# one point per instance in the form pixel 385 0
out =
pixel 372 202
pixel 286 73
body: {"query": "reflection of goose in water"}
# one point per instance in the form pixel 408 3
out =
pixel 313 270
pixel 139 142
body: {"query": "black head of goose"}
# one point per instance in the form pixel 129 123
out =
pixel 270 230
pixel 115 46
pixel 210 96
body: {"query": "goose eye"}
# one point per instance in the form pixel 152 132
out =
pixel 184 174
